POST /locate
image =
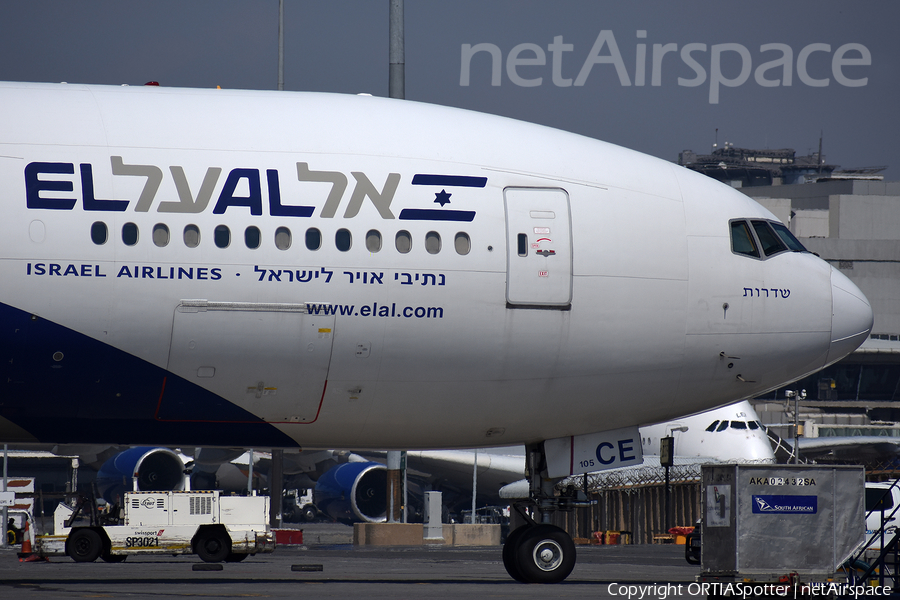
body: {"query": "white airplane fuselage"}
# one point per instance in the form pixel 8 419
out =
pixel 258 269
pixel 728 433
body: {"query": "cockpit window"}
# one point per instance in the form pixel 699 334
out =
pixel 753 425
pixel 738 425
pixel 712 426
pixel 771 243
pixel 769 237
pixel 788 238
pixel 723 426
pixel 742 240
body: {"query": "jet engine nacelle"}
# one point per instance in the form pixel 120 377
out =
pixel 353 492
pixel 144 469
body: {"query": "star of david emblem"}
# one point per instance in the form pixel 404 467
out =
pixel 442 198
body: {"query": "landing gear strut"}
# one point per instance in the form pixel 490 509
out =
pixel 540 552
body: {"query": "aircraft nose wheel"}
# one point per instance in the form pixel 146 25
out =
pixel 548 555
pixel 539 554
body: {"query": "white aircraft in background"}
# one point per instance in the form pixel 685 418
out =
pixel 729 433
pixel 725 434
pixel 268 269
pixel 353 488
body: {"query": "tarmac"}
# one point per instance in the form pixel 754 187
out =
pixel 328 566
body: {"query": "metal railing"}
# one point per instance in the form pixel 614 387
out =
pixel 884 567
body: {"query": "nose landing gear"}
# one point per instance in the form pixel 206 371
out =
pixel 540 552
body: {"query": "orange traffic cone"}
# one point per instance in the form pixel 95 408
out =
pixel 27 555
pixel 26 542
pixel 35 558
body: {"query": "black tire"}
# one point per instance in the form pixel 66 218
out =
pixel 213 546
pixel 545 554
pixel 309 514
pixel 84 545
pixel 236 557
pixel 692 547
pixel 113 558
pixel 509 554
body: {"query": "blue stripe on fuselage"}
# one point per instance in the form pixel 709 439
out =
pixel 64 387
pixel 429 214
pixel 449 180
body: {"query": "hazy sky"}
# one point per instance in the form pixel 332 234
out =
pixel 654 75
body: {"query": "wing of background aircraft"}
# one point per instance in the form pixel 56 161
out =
pixel 451 473
pixel 846 448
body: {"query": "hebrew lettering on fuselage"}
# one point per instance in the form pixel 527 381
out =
pixel 36 185
pixel 775 291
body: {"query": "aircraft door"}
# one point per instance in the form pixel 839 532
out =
pixel 539 247
pixel 270 360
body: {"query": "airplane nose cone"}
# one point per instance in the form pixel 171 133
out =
pixel 851 318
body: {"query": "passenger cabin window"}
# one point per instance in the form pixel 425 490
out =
pixel 462 243
pixel 191 236
pixel 522 244
pixel 161 235
pixel 432 242
pixel 403 242
pixel 343 240
pixel 129 234
pixel 252 237
pixel 373 241
pixel 771 243
pixel 222 236
pixel 99 233
pixel 742 240
pixel 282 238
pixel 313 239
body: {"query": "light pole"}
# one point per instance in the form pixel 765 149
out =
pixel 5 514
pixel 798 429
pixel 396 460
pixel 280 45
pixel 667 460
